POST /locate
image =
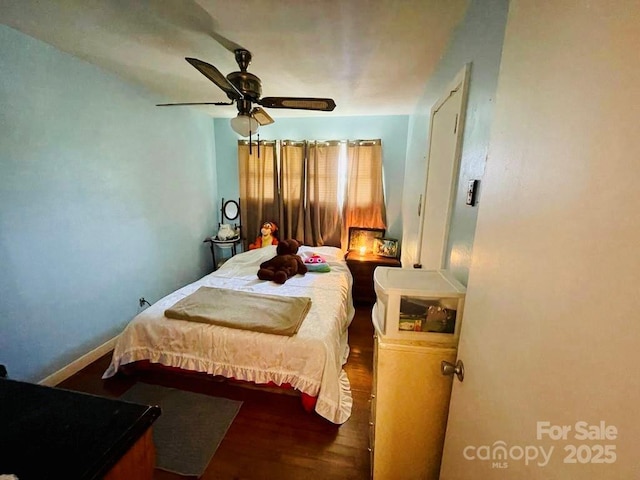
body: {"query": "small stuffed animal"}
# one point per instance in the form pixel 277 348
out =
pixel 315 263
pixel 284 265
pixel 266 237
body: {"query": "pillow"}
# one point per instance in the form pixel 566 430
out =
pixel 315 263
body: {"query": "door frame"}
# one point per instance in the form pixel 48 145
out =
pixel 460 81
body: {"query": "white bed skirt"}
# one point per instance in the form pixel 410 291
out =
pixel 310 361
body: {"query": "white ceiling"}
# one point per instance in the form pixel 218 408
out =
pixel 372 57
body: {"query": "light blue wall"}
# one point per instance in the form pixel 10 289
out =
pixel 104 199
pixel 477 40
pixel 391 129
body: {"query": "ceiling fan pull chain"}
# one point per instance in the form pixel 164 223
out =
pixel 258 145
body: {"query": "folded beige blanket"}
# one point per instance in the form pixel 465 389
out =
pixel 244 310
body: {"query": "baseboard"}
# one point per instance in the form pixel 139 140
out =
pixel 77 365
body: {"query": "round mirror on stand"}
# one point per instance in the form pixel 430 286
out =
pixel 230 210
pixel 228 235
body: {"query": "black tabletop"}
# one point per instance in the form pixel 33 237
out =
pixel 53 433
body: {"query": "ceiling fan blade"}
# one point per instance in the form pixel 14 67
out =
pixel 213 74
pixel 301 103
pixel 226 43
pixel 262 117
pixel 192 103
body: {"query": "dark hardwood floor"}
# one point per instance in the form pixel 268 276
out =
pixel 272 437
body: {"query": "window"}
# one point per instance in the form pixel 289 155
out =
pixel 314 191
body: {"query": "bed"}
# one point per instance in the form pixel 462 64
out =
pixel 310 361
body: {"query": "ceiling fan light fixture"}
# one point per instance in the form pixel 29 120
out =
pixel 244 125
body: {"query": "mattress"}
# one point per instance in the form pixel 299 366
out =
pixel 310 361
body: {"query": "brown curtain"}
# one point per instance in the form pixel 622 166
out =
pixel 303 192
pixel 323 219
pixel 258 187
pixel 292 175
pixel 364 203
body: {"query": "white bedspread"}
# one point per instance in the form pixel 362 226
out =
pixel 311 361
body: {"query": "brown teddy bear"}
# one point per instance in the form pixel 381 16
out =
pixel 284 265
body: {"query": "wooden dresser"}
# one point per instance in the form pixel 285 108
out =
pixel 409 407
pixel 417 319
pixel 362 267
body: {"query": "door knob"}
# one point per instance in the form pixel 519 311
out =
pixel 449 369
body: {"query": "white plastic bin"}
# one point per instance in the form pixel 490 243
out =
pixel 422 305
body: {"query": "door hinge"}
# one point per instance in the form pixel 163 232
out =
pixel 420 205
pixel 455 125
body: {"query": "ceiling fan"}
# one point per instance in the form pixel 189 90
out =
pixel 244 89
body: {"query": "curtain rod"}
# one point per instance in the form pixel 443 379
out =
pixel 253 142
pixel 327 142
pixel 376 141
pixel 312 142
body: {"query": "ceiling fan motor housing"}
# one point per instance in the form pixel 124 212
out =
pixel 247 83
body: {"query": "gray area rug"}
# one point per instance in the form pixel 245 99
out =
pixel 191 426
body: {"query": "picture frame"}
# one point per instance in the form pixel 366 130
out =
pixel 385 247
pixel 361 238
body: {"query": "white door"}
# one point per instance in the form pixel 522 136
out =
pixel 445 139
pixel 551 331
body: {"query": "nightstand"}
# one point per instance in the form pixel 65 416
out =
pixel 222 244
pixel 362 267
